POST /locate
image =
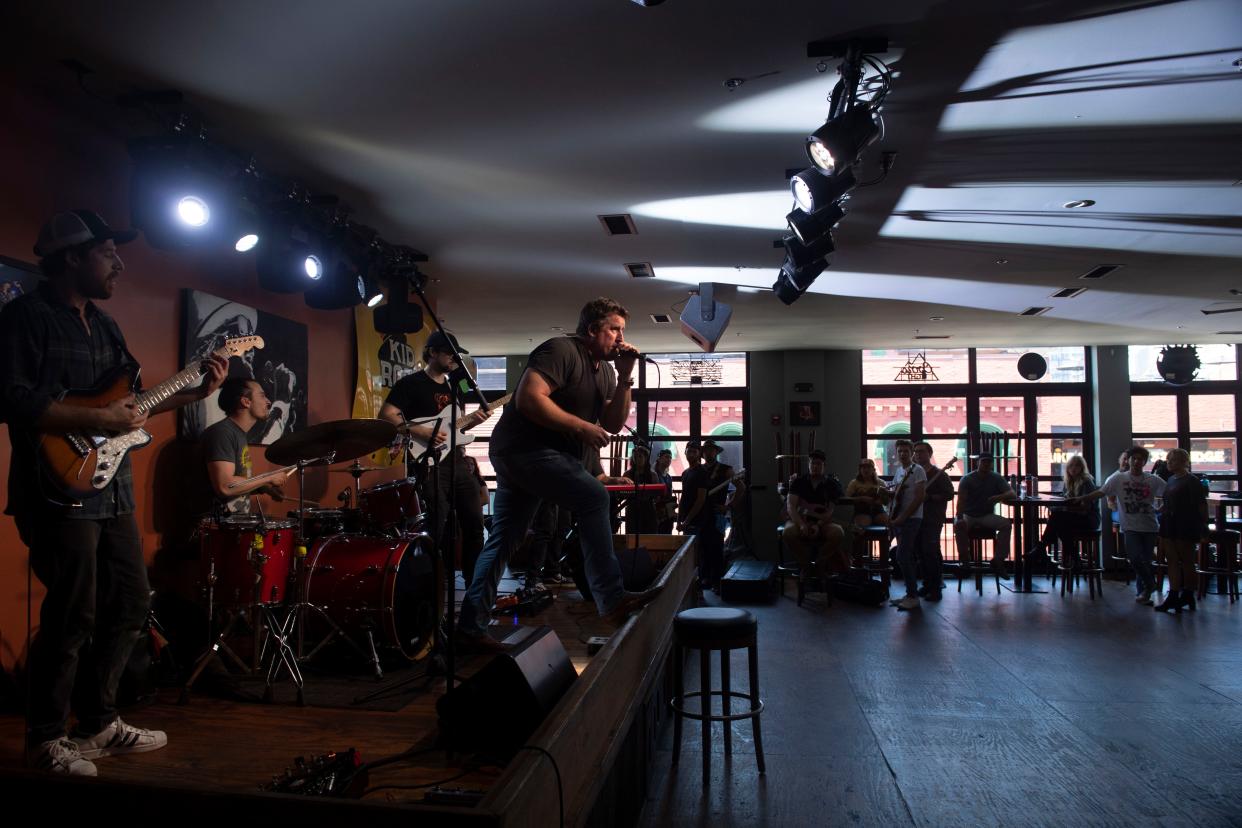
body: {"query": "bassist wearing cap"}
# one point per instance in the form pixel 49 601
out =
pixel 415 403
pixel 83 540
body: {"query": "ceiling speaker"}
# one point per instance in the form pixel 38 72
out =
pixel 1032 366
pixel 1178 364
pixel 703 320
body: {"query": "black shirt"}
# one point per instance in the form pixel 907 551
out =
pixel 1181 517
pixel 813 492
pixel 579 386
pixel 704 477
pixel 418 395
pixel 44 351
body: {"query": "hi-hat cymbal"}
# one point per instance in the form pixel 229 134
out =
pixel 347 438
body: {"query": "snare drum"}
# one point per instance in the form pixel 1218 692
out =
pixel 391 506
pixel 235 563
pixel 386 586
pixel 320 522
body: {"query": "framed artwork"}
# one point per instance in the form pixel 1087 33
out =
pixel 281 367
pixel 804 414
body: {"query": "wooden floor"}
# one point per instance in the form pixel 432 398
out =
pixel 993 710
pixel 231 746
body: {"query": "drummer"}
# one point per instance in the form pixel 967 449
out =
pixel 426 394
pixel 226 449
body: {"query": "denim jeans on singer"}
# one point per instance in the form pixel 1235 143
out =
pixel 524 479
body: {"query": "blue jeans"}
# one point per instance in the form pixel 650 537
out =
pixel 908 555
pixel 1139 549
pixel 523 480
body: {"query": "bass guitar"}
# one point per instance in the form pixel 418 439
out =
pixel 463 424
pixel 80 464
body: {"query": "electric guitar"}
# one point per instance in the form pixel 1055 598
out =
pixel 463 424
pixel 892 531
pixel 80 464
pixel 702 495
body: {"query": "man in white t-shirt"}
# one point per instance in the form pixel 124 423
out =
pixel 1135 493
pixel 909 488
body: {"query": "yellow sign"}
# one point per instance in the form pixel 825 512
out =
pixel 382 360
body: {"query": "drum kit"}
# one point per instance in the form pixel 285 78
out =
pixel 365 574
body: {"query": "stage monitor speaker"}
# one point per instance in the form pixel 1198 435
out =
pixel 1032 366
pixel 704 319
pixel 499 707
pixel 749 582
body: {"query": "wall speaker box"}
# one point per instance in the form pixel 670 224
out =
pixel 706 333
pixel 749 582
pixel 499 707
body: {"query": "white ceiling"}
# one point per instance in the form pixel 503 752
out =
pixel 490 133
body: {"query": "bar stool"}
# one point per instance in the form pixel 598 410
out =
pixel 976 565
pixel 708 629
pixel 876 539
pixel 785 569
pixel 1119 551
pixel 1080 557
pixel 1223 564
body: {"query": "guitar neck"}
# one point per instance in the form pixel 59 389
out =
pixel 148 400
pixel 475 417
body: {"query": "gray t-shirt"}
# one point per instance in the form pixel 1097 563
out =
pixel 578 387
pixel 1136 499
pixel 976 488
pixel 226 442
pixel 905 482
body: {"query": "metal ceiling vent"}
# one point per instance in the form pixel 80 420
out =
pixel 1100 272
pixel 639 270
pixel 618 224
pixel 935 336
pixel 1068 293
pixel 1034 311
pixel 661 319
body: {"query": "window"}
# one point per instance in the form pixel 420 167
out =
pixel 491 372
pixel 1001 364
pixel 1218 362
pixel 880 367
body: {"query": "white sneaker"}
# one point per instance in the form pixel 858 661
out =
pixel 1144 598
pixel 62 756
pixel 119 737
pixel 910 602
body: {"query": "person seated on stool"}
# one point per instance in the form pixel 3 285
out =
pixel 869 495
pixel 817 542
pixel 978 493
pixel 1075 519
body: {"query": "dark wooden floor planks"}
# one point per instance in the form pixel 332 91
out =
pixel 1009 710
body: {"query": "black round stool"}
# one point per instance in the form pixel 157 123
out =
pixel 707 629
pixel 976 566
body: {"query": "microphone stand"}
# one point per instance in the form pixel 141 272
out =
pixel 467 386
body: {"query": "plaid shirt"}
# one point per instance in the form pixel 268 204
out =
pixel 45 350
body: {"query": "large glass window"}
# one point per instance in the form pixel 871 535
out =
pixel 882 367
pixel 995 365
pixel 1218 362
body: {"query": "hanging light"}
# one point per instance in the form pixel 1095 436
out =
pixel 814 190
pixel 837 144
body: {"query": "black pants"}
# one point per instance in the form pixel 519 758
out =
pixel 931 559
pixel 711 552
pixel 93 614
pixel 469 515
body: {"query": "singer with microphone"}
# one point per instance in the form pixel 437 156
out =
pixel 567 402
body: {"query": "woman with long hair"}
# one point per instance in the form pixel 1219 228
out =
pixel 868 492
pixel 1077 518
pixel 640 511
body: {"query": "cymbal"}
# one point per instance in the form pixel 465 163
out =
pixel 348 438
pixel 357 469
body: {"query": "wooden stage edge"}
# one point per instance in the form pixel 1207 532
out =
pixel 600 735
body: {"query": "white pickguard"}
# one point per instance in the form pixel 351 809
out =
pixel 110 451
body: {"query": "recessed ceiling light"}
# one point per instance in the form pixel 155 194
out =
pixel 1002 261
pixel 936 318
pixel 1081 202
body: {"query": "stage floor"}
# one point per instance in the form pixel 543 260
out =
pixel 224 744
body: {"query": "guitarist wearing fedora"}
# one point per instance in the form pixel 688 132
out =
pixel 939 493
pixel 88 555
pixel 701 509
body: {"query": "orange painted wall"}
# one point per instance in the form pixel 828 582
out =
pixel 55 158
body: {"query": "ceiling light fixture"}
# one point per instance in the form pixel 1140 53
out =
pixel 853 124
pixel 1081 202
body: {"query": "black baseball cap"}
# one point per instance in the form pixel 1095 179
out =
pixel 75 227
pixel 440 342
pixel 816 454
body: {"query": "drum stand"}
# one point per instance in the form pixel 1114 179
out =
pixel 294 622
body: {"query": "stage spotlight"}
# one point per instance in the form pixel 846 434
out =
pixel 376 296
pixel 814 190
pixel 810 226
pixel 793 281
pixel 193 211
pixel 803 254
pixel 246 243
pixel 837 144
pixel 313 266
